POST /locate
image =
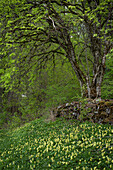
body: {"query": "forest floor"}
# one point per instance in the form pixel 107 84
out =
pixel 60 144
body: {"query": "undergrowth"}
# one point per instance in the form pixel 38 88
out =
pixel 57 145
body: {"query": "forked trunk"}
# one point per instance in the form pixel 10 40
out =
pixel 90 85
pixel 89 89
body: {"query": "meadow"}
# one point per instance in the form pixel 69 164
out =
pixel 56 145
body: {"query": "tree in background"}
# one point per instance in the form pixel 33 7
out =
pixel 107 86
pixel 40 31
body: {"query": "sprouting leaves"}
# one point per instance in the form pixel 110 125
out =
pixel 94 35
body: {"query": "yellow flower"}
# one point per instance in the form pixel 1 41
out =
pixel 1 160
pixel 21 156
pixel 31 161
pixel 103 153
pixel 56 140
pixel 26 143
pixel 108 158
pixel 63 162
pixel 94 144
pixel 107 145
pixel 110 166
pixel 91 159
pixel 36 141
pixel 99 162
pixel 52 158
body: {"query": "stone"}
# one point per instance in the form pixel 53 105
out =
pixel 103 114
pixel 96 111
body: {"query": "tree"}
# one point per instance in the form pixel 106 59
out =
pixel 107 90
pixel 80 31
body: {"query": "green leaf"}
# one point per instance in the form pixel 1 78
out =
pixel 94 35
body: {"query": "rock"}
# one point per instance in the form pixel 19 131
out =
pixel 103 114
pixel 106 120
pixel 108 110
pixel 108 103
pixel 96 111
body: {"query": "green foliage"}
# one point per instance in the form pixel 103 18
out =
pixel 15 121
pixel 107 87
pixel 61 85
pixel 83 109
pixel 41 89
pixel 38 36
pixel 57 145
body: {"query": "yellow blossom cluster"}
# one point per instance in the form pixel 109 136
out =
pixel 85 146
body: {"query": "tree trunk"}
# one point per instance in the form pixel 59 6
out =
pixel 90 90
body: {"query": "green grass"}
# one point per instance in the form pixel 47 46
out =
pixel 57 145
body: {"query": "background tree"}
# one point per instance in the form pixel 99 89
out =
pixel 107 90
pixel 40 34
pixel 56 28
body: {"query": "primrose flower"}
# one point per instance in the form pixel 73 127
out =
pixel 110 166
pixel 71 157
pixel 52 159
pixel 36 141
pixel 1 160
pixel 91 159
pixel 99 162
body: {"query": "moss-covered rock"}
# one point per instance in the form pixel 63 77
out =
pixel 91 110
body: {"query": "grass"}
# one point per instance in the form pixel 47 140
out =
pixel 57 145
